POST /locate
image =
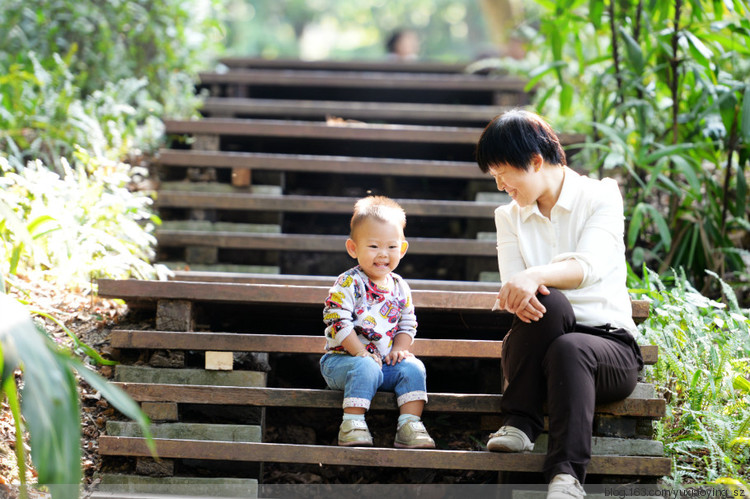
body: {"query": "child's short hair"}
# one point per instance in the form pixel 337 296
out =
pixel 380 208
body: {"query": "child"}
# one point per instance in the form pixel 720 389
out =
pixel 370 323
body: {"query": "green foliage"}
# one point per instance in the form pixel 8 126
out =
pixel 76 227
pixel 702 371
pixel 448 29
pixel 113 40
pixel 49 405
pixel 665 86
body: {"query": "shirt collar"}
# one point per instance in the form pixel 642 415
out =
pixel 566 200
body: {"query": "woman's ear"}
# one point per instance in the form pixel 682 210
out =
pixel 537 161
pixel 351 248
pixel 404 247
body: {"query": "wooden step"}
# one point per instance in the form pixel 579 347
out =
pixel 635 405
pixel 322 78
pixel 295 295
pixel 338 131
pixel 389 112
pixel 418 66
pixel 315 242
pixel 242 342
pixel 193 431
pixel 381 457
pixel 345 165
pixel 316 204
pixel 315 280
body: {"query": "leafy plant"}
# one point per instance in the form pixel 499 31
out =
pixel 78 227
pixel 664 84
pixel 48 403
pixel 702 371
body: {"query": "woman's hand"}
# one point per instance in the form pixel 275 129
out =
pixel 396 356
pixel 519 296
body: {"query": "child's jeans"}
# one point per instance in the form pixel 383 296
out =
pixel 361 377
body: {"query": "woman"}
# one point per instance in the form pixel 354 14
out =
pixel 562 268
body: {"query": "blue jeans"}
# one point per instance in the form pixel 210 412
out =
pixel 361 377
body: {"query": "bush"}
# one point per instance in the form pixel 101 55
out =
pixel 702 371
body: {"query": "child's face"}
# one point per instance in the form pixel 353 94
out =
pixel 378 247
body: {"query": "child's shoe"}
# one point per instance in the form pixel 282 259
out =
pixel 354 433
pixel 413 435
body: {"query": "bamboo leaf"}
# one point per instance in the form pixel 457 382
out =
pixel 745 123
pixel 634 51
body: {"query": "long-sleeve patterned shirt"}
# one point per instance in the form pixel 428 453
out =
pixel 376 315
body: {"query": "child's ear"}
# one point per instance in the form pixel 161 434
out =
pixel 351 248
pixel 404 247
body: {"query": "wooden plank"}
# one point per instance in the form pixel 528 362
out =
pixel 241 342
pixel 418 66
pixel 339 131
pixel 318 280
pixel 331 399
pixel 364 79
pixel 347 165
pixel 378 457
pixel 317 242
pixel 392 112
pixel 281 294
pixel 317 204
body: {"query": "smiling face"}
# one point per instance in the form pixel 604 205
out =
pixel 378 246
pixel 521 185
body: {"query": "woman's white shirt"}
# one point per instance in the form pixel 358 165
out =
pixel 586 224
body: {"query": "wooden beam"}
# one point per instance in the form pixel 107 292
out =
pixel 419 66
pixel 378 457
pixel 365 79
pixel 316 242
pixel 388 111
pixel 313 344
pixel 339 131
pixel 348 165
pixel 332 399
pixel 290 203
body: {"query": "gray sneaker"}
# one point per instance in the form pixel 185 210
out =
pixel 565 486
pixel 413 435
pixel 509 439
pixel 354 433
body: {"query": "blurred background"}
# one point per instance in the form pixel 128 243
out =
pixel 447 30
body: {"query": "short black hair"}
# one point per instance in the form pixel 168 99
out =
pixel 514 137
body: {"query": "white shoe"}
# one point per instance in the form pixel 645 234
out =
pixel 509 439
pixel 564 486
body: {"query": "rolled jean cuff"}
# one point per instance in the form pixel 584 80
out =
pixel 356 402
pixel 410 397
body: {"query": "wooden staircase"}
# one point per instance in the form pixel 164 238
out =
pixel 256 199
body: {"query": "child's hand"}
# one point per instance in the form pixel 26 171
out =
pixel 396 356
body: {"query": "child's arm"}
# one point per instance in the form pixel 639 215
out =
pixel 407 330
pixel 400 349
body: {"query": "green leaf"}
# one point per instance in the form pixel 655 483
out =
pixel 49 399
pixel 745 124
pixel 566 98
pixel 634 51
pixel 636 221
pixel 118 398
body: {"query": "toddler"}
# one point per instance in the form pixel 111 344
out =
pixel 370 324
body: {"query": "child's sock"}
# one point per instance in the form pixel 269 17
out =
pixel 355 417
pixel 405 418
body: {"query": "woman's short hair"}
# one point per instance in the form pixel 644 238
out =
pixel 514 137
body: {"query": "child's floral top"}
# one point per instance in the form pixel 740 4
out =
pixel 375 314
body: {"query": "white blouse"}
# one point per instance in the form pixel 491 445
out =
pixel 587 224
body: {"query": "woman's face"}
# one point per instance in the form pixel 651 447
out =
pixel 521 185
